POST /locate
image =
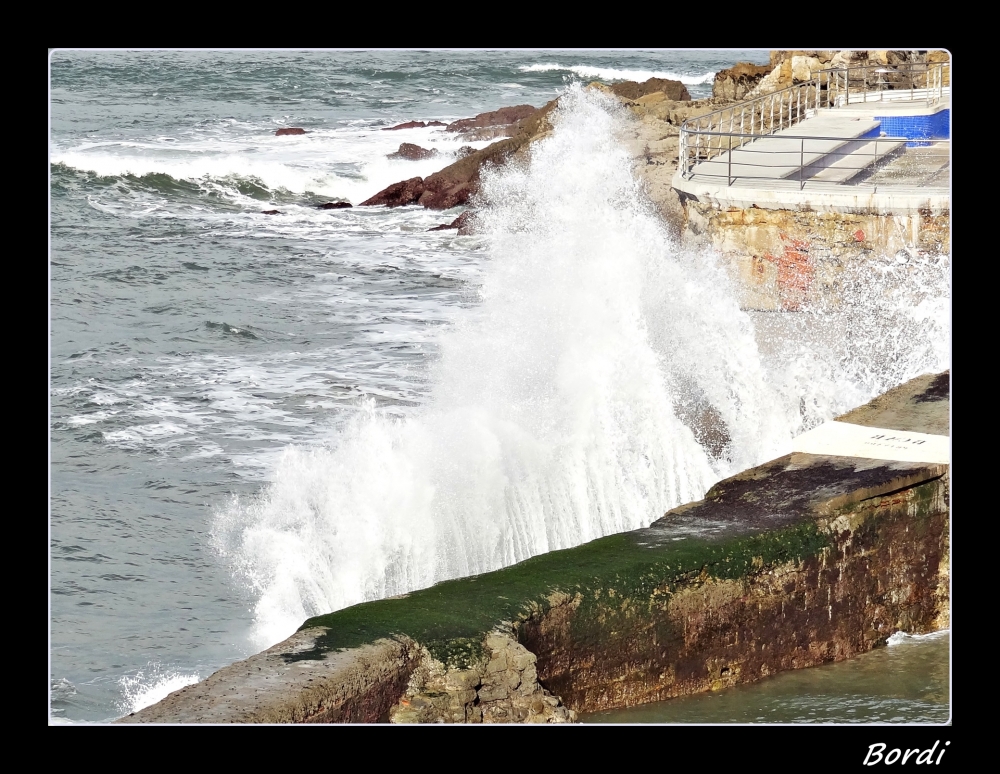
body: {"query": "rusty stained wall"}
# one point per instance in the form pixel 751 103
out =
pixel 886 570
pixel 783 259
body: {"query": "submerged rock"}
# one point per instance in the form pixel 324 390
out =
pixel 290 130
pixel 407 125
pixel 270 212
pixel 334 206
pixel 462 223
pixel 411 152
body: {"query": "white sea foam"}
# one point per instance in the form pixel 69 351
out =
pixel 564 406
pixel 347 163
pixel 149 686
pixel 614 74
pixel 902 638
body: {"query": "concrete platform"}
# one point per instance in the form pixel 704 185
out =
pixel 836 174
pixel 807 559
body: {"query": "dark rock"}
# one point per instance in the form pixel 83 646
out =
pixel 398 194
pixel 502 117
pixel 436 123
pixel 334 206
pixel 454 184
pixel 465 150
pixel 289 130
pixel 674 90
pixel 461 223
pixel 270 212
pixel 412 152
pixel 407 125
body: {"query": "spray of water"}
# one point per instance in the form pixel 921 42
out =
pixel 604 377
pixel 150 685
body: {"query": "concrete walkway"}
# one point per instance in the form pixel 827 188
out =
pixel 834 158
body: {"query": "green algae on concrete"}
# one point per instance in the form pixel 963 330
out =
pixel 451 618
pixel 804 560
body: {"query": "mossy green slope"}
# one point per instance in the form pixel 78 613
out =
pixel 451 618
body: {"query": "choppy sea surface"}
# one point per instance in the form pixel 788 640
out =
pixel 256 418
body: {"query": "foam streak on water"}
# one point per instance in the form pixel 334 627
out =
pixel 618 74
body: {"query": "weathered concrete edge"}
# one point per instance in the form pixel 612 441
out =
pixel 275 686
pixel 885 202
pixel 300 680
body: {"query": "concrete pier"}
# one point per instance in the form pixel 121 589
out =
pixel 807 559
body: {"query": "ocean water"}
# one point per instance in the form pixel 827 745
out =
pixel 257 418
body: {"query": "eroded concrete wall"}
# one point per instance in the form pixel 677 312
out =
pixel 784 259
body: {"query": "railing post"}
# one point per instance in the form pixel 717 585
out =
pixel 802 153
pixel 729 163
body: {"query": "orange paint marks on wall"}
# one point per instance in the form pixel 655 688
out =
pixel 795 272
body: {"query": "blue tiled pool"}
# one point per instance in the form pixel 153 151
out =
pixel 935 126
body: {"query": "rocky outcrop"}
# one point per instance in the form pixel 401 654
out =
pixel 411 152
pixel 777 57
pixel 398 194
pixel 790 67
pixel 453 185
pixel 290 130
pixel 652 140
pixel 630 90
pixel 334 206
pixel 505 116
pixel 666 100
pixel 735 82
pixel 270 212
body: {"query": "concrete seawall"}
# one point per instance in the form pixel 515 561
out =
pixel 806 559
pixel 786 258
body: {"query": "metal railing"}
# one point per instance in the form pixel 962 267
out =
pixel 912 81
pixel 805 163
pixel 706 136
pixel 721 131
